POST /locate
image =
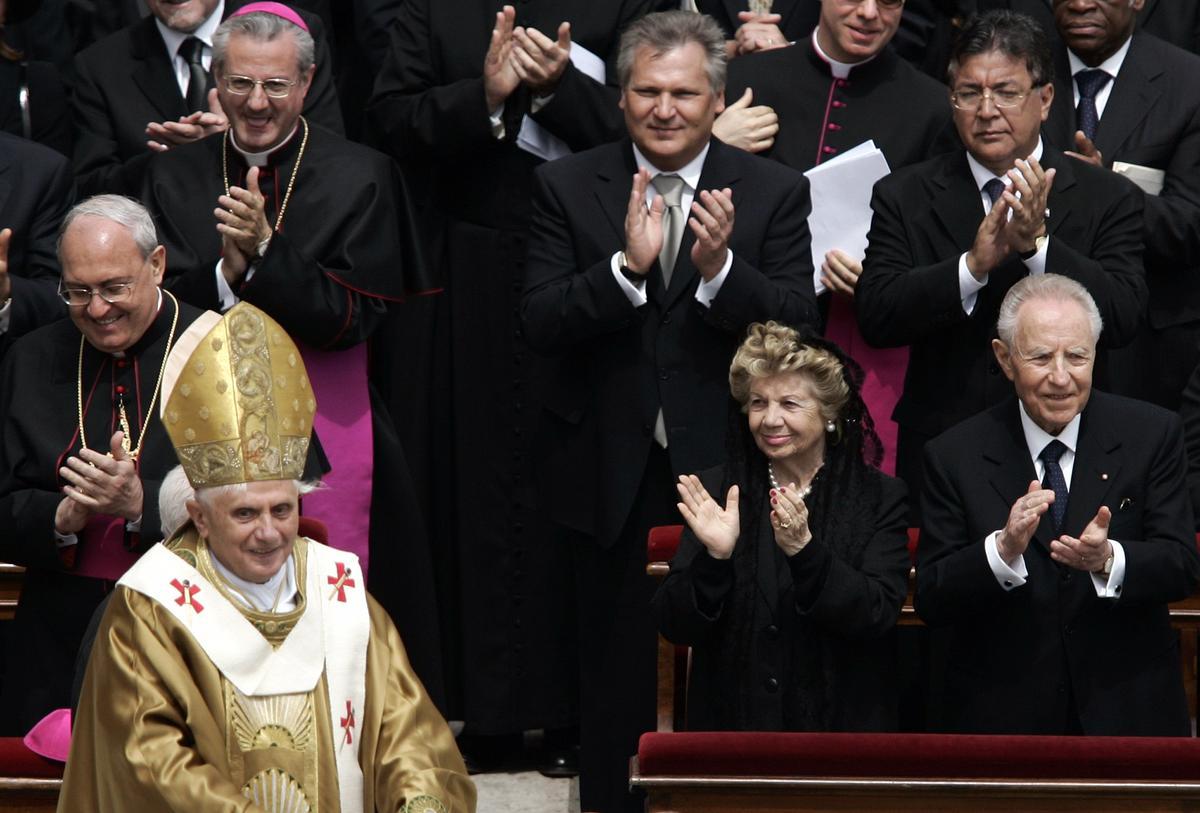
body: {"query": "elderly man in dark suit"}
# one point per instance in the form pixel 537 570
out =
pixel 1130 101
pixel 951 235
pixel 648 258
pixel 134 93
pixel 36 189
pixel 1056 529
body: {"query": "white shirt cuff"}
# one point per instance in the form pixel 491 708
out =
pixel 64 540
pixel 636 294
pixel 1037 263
pixel 496 117
pixel 1009 578
pixel 224 292
pixel 1111 587
pixel 706 292
pixel 968 286
pixel 6 316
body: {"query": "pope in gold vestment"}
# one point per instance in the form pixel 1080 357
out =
pixel 161 728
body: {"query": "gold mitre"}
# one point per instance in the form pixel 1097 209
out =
pixel 237 401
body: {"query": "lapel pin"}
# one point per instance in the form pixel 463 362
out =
pixel 1125 503
pixel 1104 476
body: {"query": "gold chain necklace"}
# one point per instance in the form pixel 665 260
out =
pixel 130 452
pixel 291 181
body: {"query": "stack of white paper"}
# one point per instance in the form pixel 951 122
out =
pixel 841 203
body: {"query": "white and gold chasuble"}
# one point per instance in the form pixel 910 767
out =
pixel 272 669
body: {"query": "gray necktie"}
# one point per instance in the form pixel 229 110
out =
pixel 191 50
pixel 670 187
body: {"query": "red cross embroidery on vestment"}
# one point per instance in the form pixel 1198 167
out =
pixel 347 724
pixel 340 582
pixel 187 594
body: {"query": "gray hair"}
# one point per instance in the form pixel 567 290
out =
pixel 1054 287
pixel 119 209
pixel 173 495
pixel 262 27
pixel 667 30
pixel 206 495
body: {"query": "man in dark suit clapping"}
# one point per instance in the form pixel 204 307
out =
pixel 648 259
pixel 1056 529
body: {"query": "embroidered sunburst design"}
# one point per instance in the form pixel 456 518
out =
pixel 277 721
pixel 425 804
pixel 275 791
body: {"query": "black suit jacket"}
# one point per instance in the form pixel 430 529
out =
pixel 925 217
pixel 125 81
pixel 36 190
pixel 1152 119
pixel 1017 656
pixel 615 364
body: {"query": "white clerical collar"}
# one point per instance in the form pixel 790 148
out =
pixel 276 595
pixel 173 39
pixel 840 70
pixel 982 174
pixel 690 172
pixel 1036 437
pixel 1111 66
pixel 261 159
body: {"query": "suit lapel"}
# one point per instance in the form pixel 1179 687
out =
pixel 1096 466
pixel 153 73
pixel 614 180
pixel 6 183
pixel 1006 457
pixel 1061 194
pixel 1060 127
pixel 1133 94
pixel 957 205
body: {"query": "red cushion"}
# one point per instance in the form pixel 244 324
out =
pixel 662 543
pixel 918 755
pixel 17 760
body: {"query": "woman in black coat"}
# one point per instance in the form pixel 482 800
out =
pixel 789 592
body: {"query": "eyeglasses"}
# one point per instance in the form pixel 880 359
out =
pixel 111 292
pixel 1002 98
pixel 244 85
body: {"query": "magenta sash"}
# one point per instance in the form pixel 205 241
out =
pixel 101 553
pixel 343 424
pixel 883 373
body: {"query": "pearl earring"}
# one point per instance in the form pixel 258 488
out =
pixel 830 426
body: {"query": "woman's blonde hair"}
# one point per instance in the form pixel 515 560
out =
pixel 773 349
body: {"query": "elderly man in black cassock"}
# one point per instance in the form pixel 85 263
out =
pixel 314 230
pixel 82 451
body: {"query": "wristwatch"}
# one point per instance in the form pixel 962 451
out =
pixel 627 272
pixel 1038 244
